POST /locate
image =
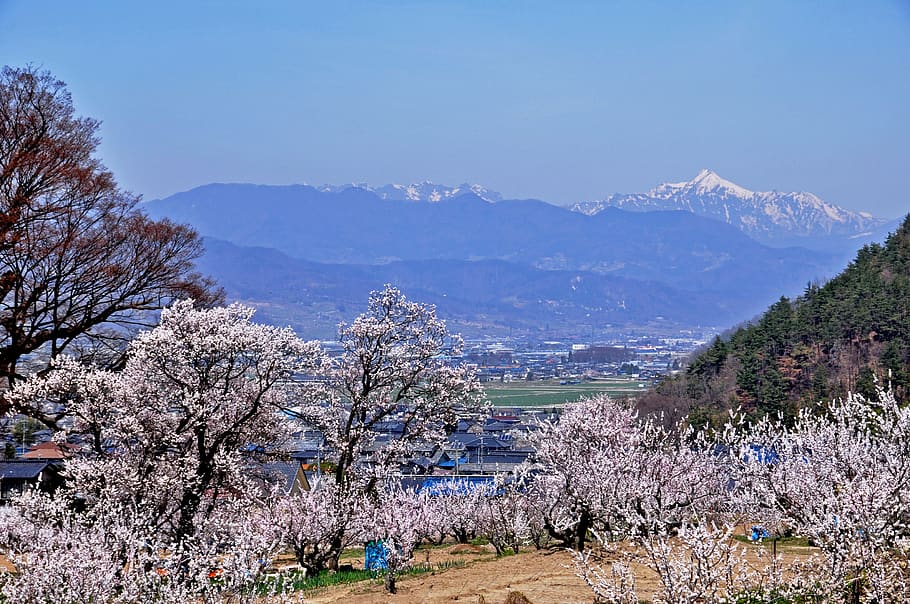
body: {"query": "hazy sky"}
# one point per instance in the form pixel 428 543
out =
pixel 558 100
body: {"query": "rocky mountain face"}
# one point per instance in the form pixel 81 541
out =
pixel 771 217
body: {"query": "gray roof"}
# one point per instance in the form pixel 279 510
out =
pixel 505 457
pixel 283 473
pixel 497 426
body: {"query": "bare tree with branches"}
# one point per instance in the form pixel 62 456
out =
pixel 80 264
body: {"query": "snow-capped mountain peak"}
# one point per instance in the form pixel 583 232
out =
pixel 708 181
pixel 704 182
pixel 769 216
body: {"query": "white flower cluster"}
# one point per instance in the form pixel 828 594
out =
pixel 838 477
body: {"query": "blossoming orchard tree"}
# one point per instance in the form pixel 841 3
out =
pixel 391 368
pixel 310 522
pixel 838 476
pixel 602 467
pixel 174 433
pixel 110 554
pixel 841 478
pixel 604 471
pixel 80 265
pixel 399 520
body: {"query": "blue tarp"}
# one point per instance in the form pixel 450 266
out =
pixel 375 556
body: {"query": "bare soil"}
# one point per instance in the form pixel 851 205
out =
pixel 544 577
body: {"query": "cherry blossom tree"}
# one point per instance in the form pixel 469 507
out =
pixel 310 521
pixel 838 476
pixel 392 368
pixel 601 466
pixel 168 483
pixel 165 506
pixel 699 563
pixel 174 431
pixel 111 555
pixel 399 520
pixel 457 507
pixel 503 516
pixel 648 494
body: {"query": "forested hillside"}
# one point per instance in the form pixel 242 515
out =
pixel 831 340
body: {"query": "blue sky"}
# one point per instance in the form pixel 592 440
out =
pixel 563 101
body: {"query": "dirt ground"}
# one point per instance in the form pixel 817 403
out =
pixel 544 577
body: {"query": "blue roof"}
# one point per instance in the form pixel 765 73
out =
pixel 448 485
pixel 22 469
pixel 450 463
pixel 762 454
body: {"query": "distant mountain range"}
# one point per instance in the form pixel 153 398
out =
pixel 775 218
pixel 771 217
pixel 630 266
pixel 475 297
pixel 422 191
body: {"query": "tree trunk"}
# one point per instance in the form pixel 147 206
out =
pixel 584 523
pixel 334 552
pixel 390 582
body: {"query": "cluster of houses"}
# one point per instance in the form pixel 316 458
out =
pixel 646 359
pixel 37 466
pixel 476 448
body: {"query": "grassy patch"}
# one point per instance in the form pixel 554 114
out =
pixel 296 581
pixel 790 541
pixel 547 393
pixel 351 553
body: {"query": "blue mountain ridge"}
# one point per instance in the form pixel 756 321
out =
pixel 710 272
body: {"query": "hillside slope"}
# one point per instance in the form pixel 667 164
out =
pixel 833 339
pixel 481 297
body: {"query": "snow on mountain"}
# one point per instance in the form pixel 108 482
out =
pixel 768 216
pixel 422 191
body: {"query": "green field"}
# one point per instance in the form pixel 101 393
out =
pixel 550 393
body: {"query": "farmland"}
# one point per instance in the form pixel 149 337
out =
pixel 546 393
